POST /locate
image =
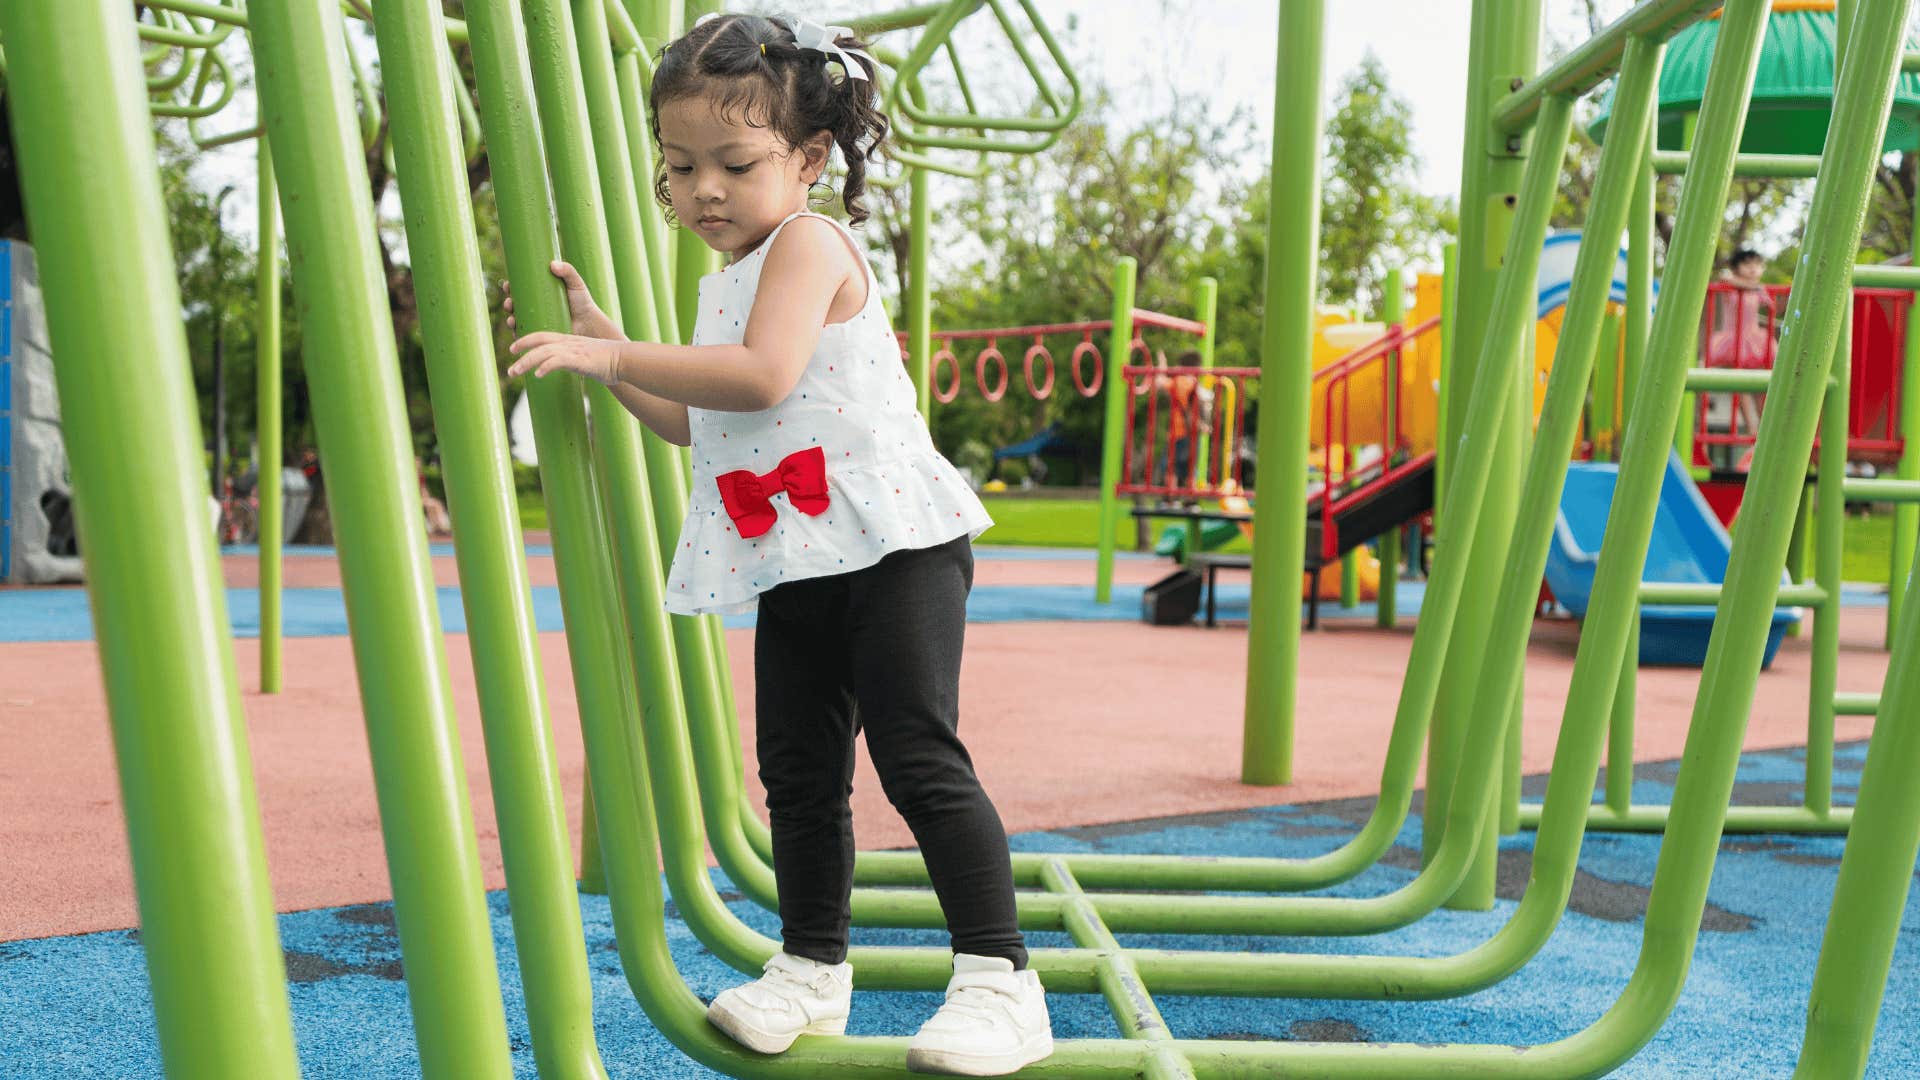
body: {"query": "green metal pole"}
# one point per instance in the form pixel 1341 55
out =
pixel 1603 427
pixel 1206 303
pixel 1640 234
pixel 1876 874
pixel 1906 516
pixel 596 652
pixel 1385 601
pixel 1504 47
pixel 692 258
pixel 1442 424
pixel 1640 240
pixel 919 295
pixel 1286 380
pixel 446 936
pixel 1114 428
pixel 653 227
pixel 458 333
pixel 1830 522
pixel 193 827
pixel 266 368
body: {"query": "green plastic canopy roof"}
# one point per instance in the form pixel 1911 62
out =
pixel 1792 91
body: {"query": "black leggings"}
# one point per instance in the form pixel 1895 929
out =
pixel 877 649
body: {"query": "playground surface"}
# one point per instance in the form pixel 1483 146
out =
pixel 1153 715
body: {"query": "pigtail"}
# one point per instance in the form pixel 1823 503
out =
pixel 859 127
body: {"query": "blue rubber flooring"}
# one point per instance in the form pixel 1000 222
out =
pixel 79 1007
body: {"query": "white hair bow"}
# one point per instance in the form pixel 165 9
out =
pixel 812 35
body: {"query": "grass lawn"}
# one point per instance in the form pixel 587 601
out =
pixel 1029 521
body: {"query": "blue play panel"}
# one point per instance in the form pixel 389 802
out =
pixel 1688 546
pixel 79 1006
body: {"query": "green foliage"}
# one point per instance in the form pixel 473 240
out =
pixel 1372 216
pixel 1042 235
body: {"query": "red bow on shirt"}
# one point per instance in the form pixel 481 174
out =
pixel 748 497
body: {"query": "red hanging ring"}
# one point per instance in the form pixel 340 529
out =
pixel 1139 346
pixel 1085 348
pixel 991 352
pixel 952 390
pixel 1039 349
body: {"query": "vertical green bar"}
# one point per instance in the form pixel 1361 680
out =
pixel 1114 424
pixel 1504 47
pixel 602 673
pixel 1620 725
pixel 446 936
pixel 1206 305
pixel 1442 428
pixel 1286 389
pixel 266 367
pixel 1683 434
pixel 1640 237
pixel 920 292
pixel 92 192
pixel 458 335
pixel 1603 427
pixel 1829 544
pixel 1906 516
pixel 1394 312
pixel 629 76
pixel 692 258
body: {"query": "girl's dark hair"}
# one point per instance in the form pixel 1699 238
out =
pixel 750 66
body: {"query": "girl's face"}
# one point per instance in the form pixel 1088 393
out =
pixel 731 181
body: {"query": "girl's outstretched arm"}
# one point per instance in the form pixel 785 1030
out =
pixel 805 269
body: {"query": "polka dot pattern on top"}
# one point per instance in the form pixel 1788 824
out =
pixel 888 488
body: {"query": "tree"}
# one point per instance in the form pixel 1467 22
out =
pixel 1041 235
pixel 1372 215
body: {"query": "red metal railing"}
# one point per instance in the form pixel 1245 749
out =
pixel 1345 480
pixel 1739 328
pixel 993 376
pixel 1213 401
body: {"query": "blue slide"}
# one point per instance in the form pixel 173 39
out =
pixel 1688 546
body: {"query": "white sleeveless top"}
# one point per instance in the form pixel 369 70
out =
pixel 831 480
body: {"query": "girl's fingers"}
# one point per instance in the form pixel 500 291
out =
pixel 566 273
pixel 532 341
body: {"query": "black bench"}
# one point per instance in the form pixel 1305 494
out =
pixel 1211 563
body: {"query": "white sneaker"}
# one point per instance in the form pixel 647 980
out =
pixel 795 997
pixel 994 1022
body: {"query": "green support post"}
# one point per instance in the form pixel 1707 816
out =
pixel 1829 543
pixel 1603 426
pixel 1393 312
pixel 1504 48
pixel 1206 303
pixel 1286 381
pixel 446 936
pixel 919 297
pixel 1114 425
pixel 1906 516
pixel 1442 427
pixel 488 547
pixel 1640 238
pixel 1639 318
pixel 692 258
pixel 266 368
pixel 596 651
pixel 93 201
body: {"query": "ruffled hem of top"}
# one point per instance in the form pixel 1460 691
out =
pixel 872 512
